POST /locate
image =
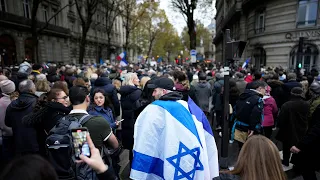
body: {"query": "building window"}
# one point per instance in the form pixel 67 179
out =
pixel 55 18
pixel 3 5
pixel 45 13
pixel 26 8
pixel 260 57
pixel 307 13
pixel 260 20
pixel 308 57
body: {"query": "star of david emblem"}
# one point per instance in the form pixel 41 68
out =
pixel 176 159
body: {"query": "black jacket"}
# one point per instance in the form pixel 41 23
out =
pixel 308 158
pixel 249 110
pixel 277 92
pixel 44 119
pixel 25 138
pixel 129 103
pixel 106 84
pixel 293 121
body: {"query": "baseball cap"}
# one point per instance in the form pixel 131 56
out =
pixel 164 83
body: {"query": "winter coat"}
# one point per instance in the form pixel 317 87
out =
pixel 53 78
pixel 44 119
pixel 249 110
pixel 106 84
pixel 270 111
pixel 227 176
pixel 106 113
pixel 217 96
pixel 314 103
pixel 69 80
pixel 290 85
pixel 129 103
pixel 277 92
pixel 4 103
pixel 248 78
pixel 25 138
pixel 293 121
pixel 241 85
pixel 203 94
pixel 308 158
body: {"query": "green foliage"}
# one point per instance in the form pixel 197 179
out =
pixel 202 33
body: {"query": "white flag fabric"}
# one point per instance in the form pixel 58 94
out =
pixel 172 142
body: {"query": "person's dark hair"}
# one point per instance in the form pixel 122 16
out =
pixel 274 76
pixel 107 101
pixel 36 67
pixel 202 76
pixel 257 75
pixel 78 94
pixel 29 167
pixel 257 84
pixel 179 75
pixel 52 70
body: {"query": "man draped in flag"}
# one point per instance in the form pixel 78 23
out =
pixel 122 59
pixel 173 139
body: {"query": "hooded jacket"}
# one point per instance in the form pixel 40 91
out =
pixel 203 94
pixel 44 119
pixel 25 138
pixel 270 111
pixel 106 84
pixel 130 96
pixel 217 97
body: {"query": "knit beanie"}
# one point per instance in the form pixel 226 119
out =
pixel 297 92
pixel 7 86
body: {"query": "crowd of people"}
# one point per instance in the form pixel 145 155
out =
pixel 150 111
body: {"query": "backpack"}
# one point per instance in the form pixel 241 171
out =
pixel 60 151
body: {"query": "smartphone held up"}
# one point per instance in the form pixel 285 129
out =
pixel 80 143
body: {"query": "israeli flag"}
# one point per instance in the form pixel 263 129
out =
pixel 173 140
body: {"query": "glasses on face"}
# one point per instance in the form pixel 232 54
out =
pixel 64 98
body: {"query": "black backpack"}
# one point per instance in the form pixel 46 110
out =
pixel 60 151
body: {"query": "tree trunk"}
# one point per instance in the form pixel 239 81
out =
pixel 109 47
pixel 83 45
pixel 192 33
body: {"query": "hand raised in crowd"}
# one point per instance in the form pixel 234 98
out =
pixel 295 150
pixel 95 161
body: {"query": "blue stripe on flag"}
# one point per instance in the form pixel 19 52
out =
pixel 198 113
pixel 180 113
pixel 148 164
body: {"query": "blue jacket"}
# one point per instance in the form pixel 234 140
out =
pixel 106 84
pixel 106 113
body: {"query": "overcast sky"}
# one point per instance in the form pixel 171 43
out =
pixel 177 19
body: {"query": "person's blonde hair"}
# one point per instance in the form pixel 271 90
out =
pixel 128 79
pixel 259 159
pixel 117 83
pixel 143 81
pixel 42 86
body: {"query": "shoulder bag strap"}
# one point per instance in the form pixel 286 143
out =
pixel 85 118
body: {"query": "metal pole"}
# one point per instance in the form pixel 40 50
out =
pixel 225 126
pixel 299 59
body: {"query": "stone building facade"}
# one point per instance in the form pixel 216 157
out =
pixel 271 29
pixel 59 42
